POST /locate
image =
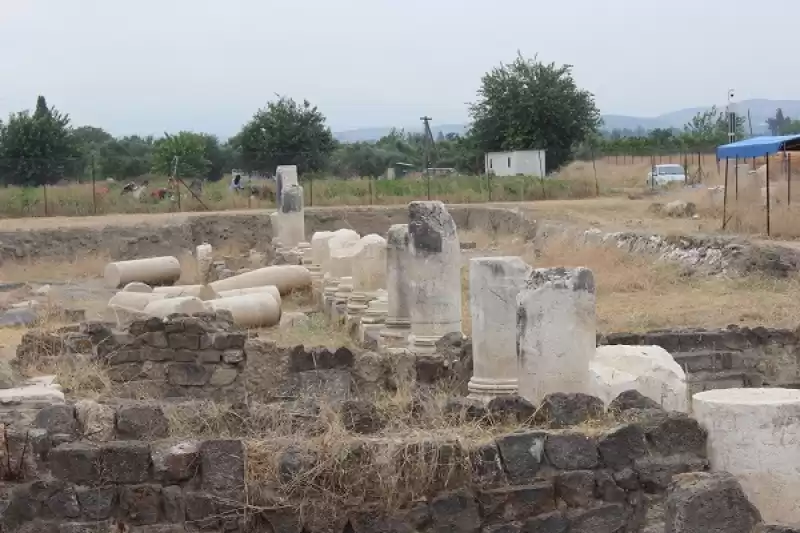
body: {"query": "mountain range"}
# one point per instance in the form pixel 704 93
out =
pixel 760 110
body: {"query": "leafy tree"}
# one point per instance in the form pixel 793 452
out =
pixel 189 148
pixel 220 157
pixel 36 149
pixel 529 104
pixel 286 133
pixel 125 158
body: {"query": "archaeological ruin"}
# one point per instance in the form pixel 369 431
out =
pixel 371 371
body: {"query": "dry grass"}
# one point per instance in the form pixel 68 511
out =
pixel 80 267
pixel 636 293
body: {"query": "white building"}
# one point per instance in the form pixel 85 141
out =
pixel 516 163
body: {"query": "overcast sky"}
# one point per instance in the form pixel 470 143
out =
pixel 147 66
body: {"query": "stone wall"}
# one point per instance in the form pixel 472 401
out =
pixel 565 478
pixel 726 358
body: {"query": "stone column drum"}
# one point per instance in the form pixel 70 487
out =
pixel 369 274
pixel 755 435
pixel 494 284
pixel 398 285
pixel 556 332
pixel 435 257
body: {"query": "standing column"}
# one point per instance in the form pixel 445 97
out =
pixel 556 332
pixel 292 224
pixel 494 284
pixel 369 274
pixel 435 275
pixel 205 261
pixel 319 249
pixel 398 285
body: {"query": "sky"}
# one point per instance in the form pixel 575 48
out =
pixel 149 66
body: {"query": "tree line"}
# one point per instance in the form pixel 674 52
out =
pixel 526 104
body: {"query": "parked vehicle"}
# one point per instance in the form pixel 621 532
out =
pixel 666 174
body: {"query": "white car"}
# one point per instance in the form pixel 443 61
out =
pixel 666 174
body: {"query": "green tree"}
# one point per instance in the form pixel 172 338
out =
pixel 36 149
pixel 189 148
pixel 128 157
pixel 286 133
pixel 530 105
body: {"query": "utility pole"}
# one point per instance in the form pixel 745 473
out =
pixel 731 118
pixel 426 147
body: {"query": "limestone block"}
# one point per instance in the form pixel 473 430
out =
pixel 494 284
pixel 135 300
pixel 153 271
pixel 291 226
pixel 286 277
pixel 187 305
pixel 319 246
pixel 398 285
pixel 204 292
pixel 285 177
pixel 755 435
pixel 650 370
pixel 250 310
pixel 340 238
pixel 343 257
pixel 435 271
pixel 137 286
pixel 556 332
pixel 369 269
pixel 205 262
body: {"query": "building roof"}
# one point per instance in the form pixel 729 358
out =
pixel 758 146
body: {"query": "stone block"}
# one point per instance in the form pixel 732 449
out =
pixel 125 461
pixel 141 504
pixel 223 376
pixel 222 465
pixel 632 399
pixel 57 419
pixel 173 504
pixel 576 488
pixel 97 503
pixel 173 463
pixel 522 454
pixel 201 510
pixel 233 356
pixel 141 421
pixel 85 527
pixel 155 339
pixel 511 408
pixel 606 518
pixel 677 433
pixel 517 503
pixel 63 502
pixel 563 410
pixel 361 416
pixel 553 522
pixel 77 462
pixel 95 421
pixel 188 374
pixel 460 410
pixel 487 466
pixel 571 451
pixel 704 502
pixel 184 341
pixel 656 472
pixel 125 372
pixel 455 512
pixel 621 446
pixel 228 340
pixel 607 489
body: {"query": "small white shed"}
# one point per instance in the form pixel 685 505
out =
pixel 516 163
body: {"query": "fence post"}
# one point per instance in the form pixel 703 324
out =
pixel 370 190
pixel 489 185
pixel 94 190
pixel 44 188
pixel 428 178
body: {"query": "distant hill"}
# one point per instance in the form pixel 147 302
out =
pixel 760 111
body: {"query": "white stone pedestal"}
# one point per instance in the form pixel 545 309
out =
pixel 369 273
pixel 398 283
pixel 291 225
pixel 755 435
pixel 494 284
pixel 435 257
pixel 556 332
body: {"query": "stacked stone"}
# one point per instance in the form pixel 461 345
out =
pixel 319 252
pixel 340 298
pixel 435 261
pixel 337 263
pixel 196 357
pixel 369 274
pixel 398 317
pixel 374 317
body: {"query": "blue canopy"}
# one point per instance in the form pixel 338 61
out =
pixel 758 146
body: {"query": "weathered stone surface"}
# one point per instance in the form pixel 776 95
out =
pixel 173 504
pixel 655 473
pixel 294 461
pixel 233 357
pixel 455 512
pixel 77 462
pixel 704 502
pixel 201 510
pixel 678 434
pixel 125 372
pixel 126 461
pixel 222 465
pixel 141 421
pixel 95 421
pixel 57 419
pixel 576 488
pixel 554 522
pixel 85 527
pixel 188 374
pixel 517 503
pixel 140 504
pixel 522 455
pixel 97 503
pixel 607 518
pixel 63 503
pixel 487 468
pixel 571 451
pixel 173 463
pixel 465 409
pixel 511 407
pixel 361 416
pixel 223 376
pixel 632 399
pixel 562 410
pixel 621 446
pixel 430 368
pixel 607 488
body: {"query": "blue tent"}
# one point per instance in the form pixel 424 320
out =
pixel 758 146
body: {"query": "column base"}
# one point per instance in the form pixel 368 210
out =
pixel 422 345
pixel 486 389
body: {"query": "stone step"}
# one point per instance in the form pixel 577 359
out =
pixel 724 379
pixel 714 360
